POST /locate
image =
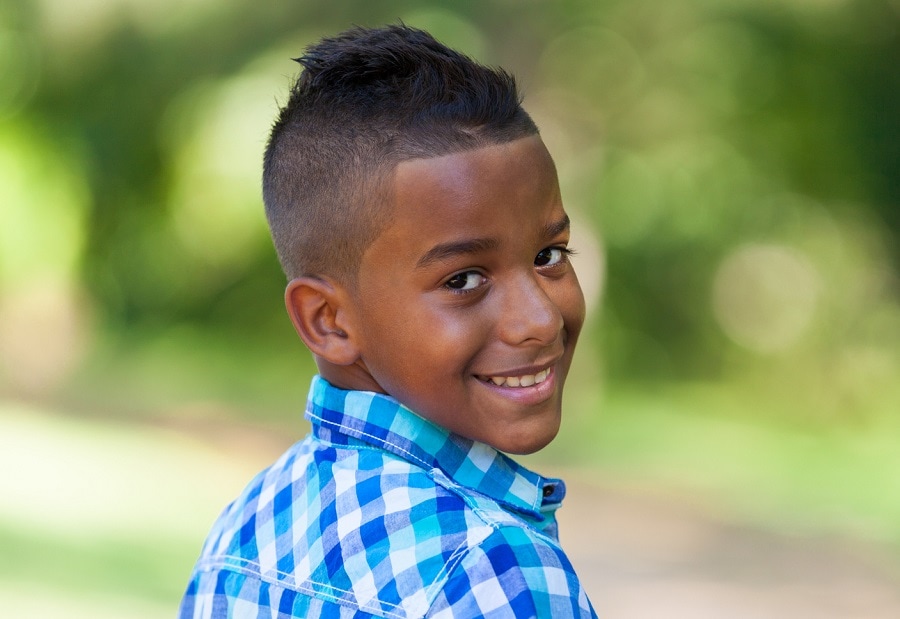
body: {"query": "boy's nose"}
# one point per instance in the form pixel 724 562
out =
pixel 529 315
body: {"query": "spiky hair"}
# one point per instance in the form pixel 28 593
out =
pixel 366 100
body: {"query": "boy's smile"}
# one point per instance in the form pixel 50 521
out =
pixel 466 308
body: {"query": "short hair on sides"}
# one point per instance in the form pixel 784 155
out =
pixel 366 100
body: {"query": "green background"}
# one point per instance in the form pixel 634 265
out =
pixel 732 168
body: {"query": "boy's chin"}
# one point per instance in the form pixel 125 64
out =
pixel 525 443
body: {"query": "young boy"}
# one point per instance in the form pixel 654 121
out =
pixel 417 215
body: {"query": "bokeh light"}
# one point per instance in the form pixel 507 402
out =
pixel 765 297
pixel 731 169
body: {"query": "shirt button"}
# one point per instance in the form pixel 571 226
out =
pixel 548 490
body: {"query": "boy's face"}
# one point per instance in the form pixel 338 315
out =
pixel 467 307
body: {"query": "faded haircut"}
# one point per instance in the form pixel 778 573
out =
pixel 366 100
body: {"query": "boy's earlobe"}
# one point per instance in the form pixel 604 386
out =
pixel 317 309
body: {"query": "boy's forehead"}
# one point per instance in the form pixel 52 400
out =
pixel 465 193
pixel 522 167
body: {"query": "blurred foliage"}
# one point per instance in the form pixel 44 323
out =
pixel 734 165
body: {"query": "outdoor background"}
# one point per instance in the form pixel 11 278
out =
pixel 732 425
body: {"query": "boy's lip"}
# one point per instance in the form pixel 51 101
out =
pixel 535 393
pixel 535 374
pixel 524 370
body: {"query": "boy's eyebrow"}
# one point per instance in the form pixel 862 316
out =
pixel 557 227
pixel 445 251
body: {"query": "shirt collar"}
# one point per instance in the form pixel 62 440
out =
pixel 380 420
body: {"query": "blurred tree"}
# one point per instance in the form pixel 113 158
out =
pixel 689 132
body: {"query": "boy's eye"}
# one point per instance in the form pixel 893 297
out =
pixel 467 280
pixel 550 256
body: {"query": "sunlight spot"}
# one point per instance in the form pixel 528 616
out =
pixel 218 134
pixel 764 296
pixel 43 334
pixel 44 198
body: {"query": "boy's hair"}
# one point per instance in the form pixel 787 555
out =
pixel 366 100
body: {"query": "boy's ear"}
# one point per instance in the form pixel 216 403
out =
pixel 318 309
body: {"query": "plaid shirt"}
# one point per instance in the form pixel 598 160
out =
pixel 380 513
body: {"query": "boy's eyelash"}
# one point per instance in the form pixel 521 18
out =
pixel 567 251
pixel 461 291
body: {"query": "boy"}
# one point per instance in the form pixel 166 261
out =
pixel 417 215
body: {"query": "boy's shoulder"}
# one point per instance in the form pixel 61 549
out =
pixel 363 528
pixel 364 499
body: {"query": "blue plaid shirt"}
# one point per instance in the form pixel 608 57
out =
pixel 380 513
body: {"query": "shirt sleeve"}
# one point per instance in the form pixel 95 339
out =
pixel 512 574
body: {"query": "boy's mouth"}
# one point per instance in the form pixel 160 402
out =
pixel 525 380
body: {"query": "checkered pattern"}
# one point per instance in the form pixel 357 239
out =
pixel 380 513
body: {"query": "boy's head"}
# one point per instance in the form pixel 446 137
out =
pixel 366 100
pixel 418 215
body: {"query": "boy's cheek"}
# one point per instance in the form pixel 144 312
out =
pixel 574 309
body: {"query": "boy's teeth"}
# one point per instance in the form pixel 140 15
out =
pixel 520 381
